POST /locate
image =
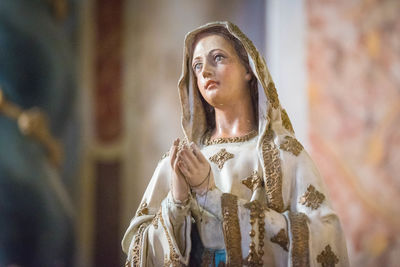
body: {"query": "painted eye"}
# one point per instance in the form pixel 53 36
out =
pixel 218 58
pixel 197 67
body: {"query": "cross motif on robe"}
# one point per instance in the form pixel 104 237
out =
pixel 221 157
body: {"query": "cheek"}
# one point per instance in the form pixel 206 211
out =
pixel 200 85
pixel 228 73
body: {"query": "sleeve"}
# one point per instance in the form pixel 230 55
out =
pixel 159 233
pixel 315 234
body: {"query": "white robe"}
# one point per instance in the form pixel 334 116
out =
pixel 308 224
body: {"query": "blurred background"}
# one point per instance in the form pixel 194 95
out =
pixel 89 104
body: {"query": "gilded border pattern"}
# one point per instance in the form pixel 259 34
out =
pixel 154 222
pixel 224 140
pixel 256 248
pixel 231 229
pixel 173 256
pixel 286 121
pixel 138 244
pixel 300 237
pixel 272 172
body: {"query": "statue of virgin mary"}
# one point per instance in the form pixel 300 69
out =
pixel 239 189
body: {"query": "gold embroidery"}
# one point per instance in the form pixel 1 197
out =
pixel 231 229
pixel 327 258
pixel 300 235
pixel 223 140
pixel 272 95
pixel 312 198
pixel 221 157
pixel 142 210
pixel 291 145
pixel 281 239
pixel 253 181
pixel 173 256
pixel 154 222
pixel 286 121
pixel 272 172
pixel 256 214
pixel 136 251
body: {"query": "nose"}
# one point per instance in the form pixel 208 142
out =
pixel 207 70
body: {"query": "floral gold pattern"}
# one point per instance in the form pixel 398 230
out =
pixel 300 236
pixel 327 258
pixel 312 198
pixel 221 157
pixel 256 214
pixel 253 181
pixel 223 140
pixel 281 239
pixel 291 145
pixel 272 172
pixel 142 210
pixel 286 121
pixel 231 229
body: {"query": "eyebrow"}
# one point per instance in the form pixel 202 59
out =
pixel 215 49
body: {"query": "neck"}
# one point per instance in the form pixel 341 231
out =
pixel 235 120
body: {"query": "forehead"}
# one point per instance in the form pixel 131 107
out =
pixel 209 42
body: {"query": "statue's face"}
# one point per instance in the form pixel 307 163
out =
pixel 221 77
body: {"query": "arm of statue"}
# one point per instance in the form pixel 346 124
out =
pixel 315 234
pixel 159 233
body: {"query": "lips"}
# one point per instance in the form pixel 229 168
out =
pixel 210 83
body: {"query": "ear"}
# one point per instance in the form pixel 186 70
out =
pixel 248 76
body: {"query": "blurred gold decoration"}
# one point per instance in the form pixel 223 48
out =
pixel 60 8
pixel 377 244
pixel 34 123
pixel 373 43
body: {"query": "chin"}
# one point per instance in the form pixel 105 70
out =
pixel 216 101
